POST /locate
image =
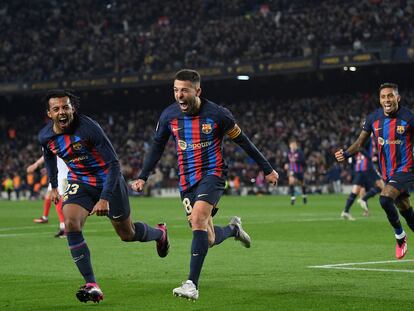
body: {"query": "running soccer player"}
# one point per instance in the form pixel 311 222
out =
pixel 377 184
pixel 295 167
pixel 95 184
pixel 392 126
pixel 198 127
pixel 62 184
pixel 361 182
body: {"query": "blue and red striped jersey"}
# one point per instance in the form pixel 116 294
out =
pixel 296 161
pixel 394 140
pixel 198 141
pixel 363 160
pixel 87 152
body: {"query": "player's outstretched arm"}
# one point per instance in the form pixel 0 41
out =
pixel 342 155
pixel 243 141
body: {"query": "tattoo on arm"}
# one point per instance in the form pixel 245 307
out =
pixel 359 143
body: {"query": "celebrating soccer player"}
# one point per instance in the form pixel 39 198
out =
pixel 392 126
pixel 95 184
pixel 198 127
pixel 295 167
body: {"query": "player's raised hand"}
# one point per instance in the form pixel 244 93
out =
pixel 272 178
pixel 138 185
pixel 54 196
pixel 340 156
pixel 101 208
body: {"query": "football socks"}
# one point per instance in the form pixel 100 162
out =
pixel 199 248
pixel 81 255
pixel 145 233
pixel 222 233
pixel 388 205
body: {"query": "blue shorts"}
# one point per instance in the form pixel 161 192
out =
pixel 297 175
pixel 374 175
pixel 209 189
pixel 402 181
pixel 87 196
pixel 363 179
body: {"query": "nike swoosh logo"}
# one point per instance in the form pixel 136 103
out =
pixel 117 216
pixel 175 129
pixel 202 195
pixel 380 128
pixel 76 259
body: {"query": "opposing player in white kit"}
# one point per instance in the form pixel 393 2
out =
pixel 62 182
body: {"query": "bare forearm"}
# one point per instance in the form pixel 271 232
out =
pixel 358 144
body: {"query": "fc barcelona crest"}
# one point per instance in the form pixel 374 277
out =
pixel 206 128
pixel 77 146
pixel 400 129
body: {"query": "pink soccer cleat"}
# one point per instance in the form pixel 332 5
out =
pixel 90 292
pixel 401 248
pixel 163 245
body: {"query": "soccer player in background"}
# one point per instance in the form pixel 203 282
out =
pixel 198 127
pixel 95 184
pixel 392 126
pixel 361 182
pixel 295 168
pixel 62 184
pixel 377 184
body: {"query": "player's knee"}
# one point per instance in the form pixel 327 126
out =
pixel 73 224
pixel 199 221
pixel 126 238
pixel 402 203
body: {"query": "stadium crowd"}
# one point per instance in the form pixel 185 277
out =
pixel 320 125
pixel 47 40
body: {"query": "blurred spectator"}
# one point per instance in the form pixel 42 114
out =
pixel 48 40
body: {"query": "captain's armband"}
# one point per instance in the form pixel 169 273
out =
pixel 234 132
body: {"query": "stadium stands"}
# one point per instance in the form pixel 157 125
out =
pixel 51 40
pixel 318 123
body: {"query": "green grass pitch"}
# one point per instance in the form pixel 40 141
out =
pixel 37 272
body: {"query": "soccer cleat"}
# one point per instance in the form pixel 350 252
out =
pixel 186 290
pixel 292 200
pixel 364 206
pixel 401 248
pixel 60 234
pixel 241 235
pixel 347 216
pixel 163 245
pixel 90 292
pixel 305 200
pixel 41 220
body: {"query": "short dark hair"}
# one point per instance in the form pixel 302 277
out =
pixel 59 93
pixel 188 75
pixel 389 85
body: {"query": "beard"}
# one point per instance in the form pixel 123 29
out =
pixel 190 106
